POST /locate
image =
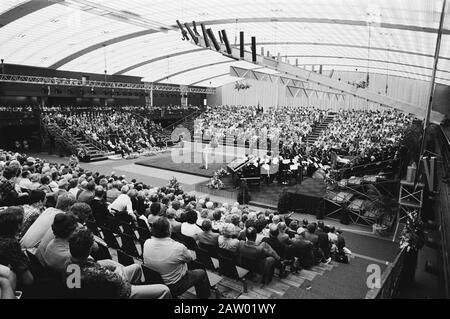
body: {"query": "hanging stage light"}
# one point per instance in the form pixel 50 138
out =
pixel 213 39
pixel 183 32
pixel 225 40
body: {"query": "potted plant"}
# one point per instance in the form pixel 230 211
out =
pixel 412 239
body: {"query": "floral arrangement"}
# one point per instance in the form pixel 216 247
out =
pixel 412 236
pixel 215 182
pixel 241 86
pixel 222 172
pixel 174 184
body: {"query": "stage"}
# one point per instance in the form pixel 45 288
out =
pixel 186 161
pixel 305 197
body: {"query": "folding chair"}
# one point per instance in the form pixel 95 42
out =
pixel 36 267
pixel 101 253
pixel 151 276
pixel 205 259
pixel 129 246
pixel 211 249
pixel 189 242
pixel 142 224
pixel 113 224
pixel 124 259
pixel 109 238
pixel 228 268
pixel 92 226
pixel 129 230
pixel 143 231
pixel 213 278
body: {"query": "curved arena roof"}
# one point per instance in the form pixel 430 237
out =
pixel 140 37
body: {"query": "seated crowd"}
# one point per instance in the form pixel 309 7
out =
pixel 368 135
pixel 363 135
pixel 240 123
pixel 121 132
pixel 48 210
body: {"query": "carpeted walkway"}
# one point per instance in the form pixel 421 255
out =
pixel 373 247
pixel 190 162
pixel 346 281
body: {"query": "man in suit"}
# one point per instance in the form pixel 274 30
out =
pixel 207 236
pixel 323 241
pixel 261 258
pixel 99 206
pixel 310 234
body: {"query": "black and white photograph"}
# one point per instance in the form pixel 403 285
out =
pixel 224 158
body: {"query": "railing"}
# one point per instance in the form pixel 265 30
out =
pixel 172 126
pixel 143 86
pixel 67 140
pixel 390 279
pixel 443 213
pixel 95 143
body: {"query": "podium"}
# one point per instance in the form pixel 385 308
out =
pixel 410 199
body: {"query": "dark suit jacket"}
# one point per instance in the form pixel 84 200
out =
pixel 276 245
pixel 99 210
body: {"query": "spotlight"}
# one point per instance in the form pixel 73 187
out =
pixel 195 28
pixel 254 49
pixel 183 32
pixel 213 39
pixel 225 40
pixel 205 35
pixel 191 33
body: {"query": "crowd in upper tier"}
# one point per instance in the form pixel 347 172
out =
pixel 369 135
pixel 50 210
pixel 240 123
pixel 121 132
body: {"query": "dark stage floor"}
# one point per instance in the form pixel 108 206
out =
pixel 183 162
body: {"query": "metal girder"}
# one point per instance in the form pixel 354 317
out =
pixel 363 23
pixel 343 45
pixel 363 59
pixel 191 69
pixel 120 15
pixel 138 65
pixel 24 9
pixel 286 81
pixel 144 86
pixel 209 78
pixel 309 76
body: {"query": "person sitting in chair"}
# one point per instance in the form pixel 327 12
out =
pixel 170 258
pixel 261 257
pixel 108 273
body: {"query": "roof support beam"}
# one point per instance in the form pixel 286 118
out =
pixel 254 20
pixel 323 21
pixel 289 83
pixel 360 59
pixel 210 78
pixel 24 9
pixel 313 77
pixel 343 45
pixel 100 45
pixel 138 65
pixel 191 69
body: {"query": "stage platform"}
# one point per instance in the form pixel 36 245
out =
pixel 185 161
pixel 305 196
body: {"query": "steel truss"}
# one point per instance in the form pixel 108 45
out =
pixel 293 85
pixel 312 77
pixel 144 86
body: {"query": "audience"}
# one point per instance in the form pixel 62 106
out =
pixel 32 221
pixel 124 281
pixel 170 258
